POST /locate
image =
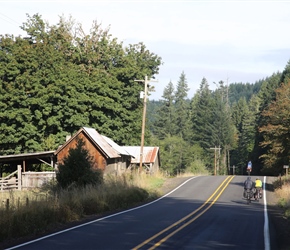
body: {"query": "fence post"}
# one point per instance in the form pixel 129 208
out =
pixel 7 204
pixel 19 176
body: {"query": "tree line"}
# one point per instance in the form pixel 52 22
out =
pixel 59 78
pixel 220 130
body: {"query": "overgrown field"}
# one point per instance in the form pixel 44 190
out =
pixel 36 211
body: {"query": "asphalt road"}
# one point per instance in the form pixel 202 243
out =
pixel 205 212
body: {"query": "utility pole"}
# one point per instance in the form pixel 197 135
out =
pixel 233 167
pixel 215 164
pixel 228 162
pixel 146 82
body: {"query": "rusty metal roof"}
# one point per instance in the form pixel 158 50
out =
pixel 96 139
pixel 149 153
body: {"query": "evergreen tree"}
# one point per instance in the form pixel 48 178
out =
pixel 249 132
pixel 223 127
pixel 240 90
pixel 182 109
pixel 285 76
pixel 77 169
pixel 203 118
pixel 239 155
pixel 164 124
pixel 202 122
pixel 176 154
pixel 267 92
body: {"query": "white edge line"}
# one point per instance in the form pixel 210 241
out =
pixel 266 221
pixel 100 219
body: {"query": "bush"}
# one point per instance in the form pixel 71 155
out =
pixel 76 169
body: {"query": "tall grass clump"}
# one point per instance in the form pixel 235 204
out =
pixel 121 192
pixel 27 213
pixel 283 192
pixel 147 182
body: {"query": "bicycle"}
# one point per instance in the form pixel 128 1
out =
pixel 258 193
pixel 249 195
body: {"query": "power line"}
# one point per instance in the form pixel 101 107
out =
pixel 9 20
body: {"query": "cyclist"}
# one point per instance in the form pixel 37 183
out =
pixel 248 184
pixel 249 167
pixel 258 186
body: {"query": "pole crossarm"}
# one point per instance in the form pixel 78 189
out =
pixel 146 82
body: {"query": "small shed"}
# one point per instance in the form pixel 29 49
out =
pixel 27 159
pixel 150 160
pixel 106 154
pixel 22 164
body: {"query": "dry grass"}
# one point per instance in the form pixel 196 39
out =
pixel 36 211
pixel 16 199
pixel 148 182
pixel 283 192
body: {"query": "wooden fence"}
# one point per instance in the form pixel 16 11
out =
pixel 25 180
pixel 36 179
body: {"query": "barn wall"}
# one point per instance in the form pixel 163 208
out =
pixel 98 159
pixel 118 166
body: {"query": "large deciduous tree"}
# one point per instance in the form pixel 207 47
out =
pixel 58 79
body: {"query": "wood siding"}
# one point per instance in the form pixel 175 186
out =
pixel 98 159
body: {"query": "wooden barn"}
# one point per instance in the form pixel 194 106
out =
pixel 150 160
pixel 106 154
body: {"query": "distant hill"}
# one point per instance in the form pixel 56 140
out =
pixel 238 90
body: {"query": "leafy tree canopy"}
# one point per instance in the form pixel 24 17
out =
pixel 58 79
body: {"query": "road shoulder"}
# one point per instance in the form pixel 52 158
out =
pixel 276 216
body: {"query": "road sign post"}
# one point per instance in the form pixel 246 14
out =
pixel 286 167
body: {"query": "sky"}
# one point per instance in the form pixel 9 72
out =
pixel 231 41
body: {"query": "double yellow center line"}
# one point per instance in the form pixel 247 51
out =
pixel 210 201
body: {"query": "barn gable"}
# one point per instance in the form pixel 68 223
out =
pixel 106 156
